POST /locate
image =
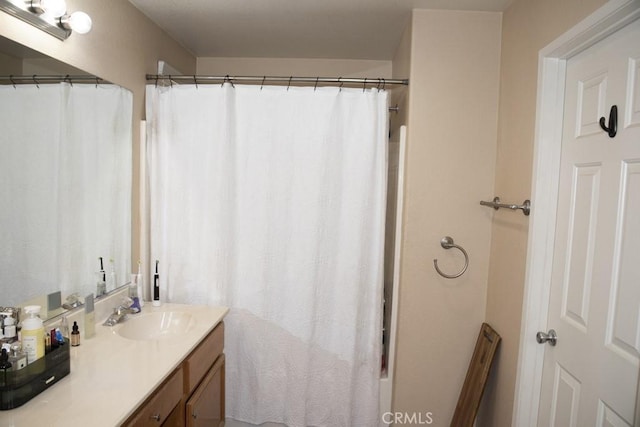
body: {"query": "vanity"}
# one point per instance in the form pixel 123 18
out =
pixel 193 394
pixel 164 366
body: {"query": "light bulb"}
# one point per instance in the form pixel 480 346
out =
pixel 79 22
pixel 54 8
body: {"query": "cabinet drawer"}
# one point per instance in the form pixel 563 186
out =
pixel 201 359
pixel 205 407
pixel 159 406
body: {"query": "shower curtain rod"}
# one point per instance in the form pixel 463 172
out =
pixel 371 82
pixel 37 79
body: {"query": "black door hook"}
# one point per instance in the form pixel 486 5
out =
pixel 612 128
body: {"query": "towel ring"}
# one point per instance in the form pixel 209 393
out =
pixel 447 243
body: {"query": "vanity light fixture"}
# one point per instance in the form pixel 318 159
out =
pixel 78 21
pixel 48 15
pixel 52 8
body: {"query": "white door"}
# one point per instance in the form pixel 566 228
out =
pixel 590 377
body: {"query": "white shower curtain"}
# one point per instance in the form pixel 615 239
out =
pixel 271 201
pixel 61 147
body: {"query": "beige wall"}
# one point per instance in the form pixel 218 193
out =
pixel 528 26
pixel 453 99
pixel 122 47
pixel 294 67
pixel 10 65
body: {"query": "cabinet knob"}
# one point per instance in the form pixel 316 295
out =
pixel 194 415
pixel 155 417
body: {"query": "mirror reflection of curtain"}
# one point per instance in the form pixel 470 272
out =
pixel 60 202
pixel 272 202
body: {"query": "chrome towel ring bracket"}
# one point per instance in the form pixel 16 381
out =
pixel 447 243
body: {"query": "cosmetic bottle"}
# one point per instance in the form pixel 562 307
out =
pixel 101 286
pixel 59 337
pixel 4 359
pixel 75 335
pixel 156 287
pixel 17 357
pixel 47 343
pixel 33 334
pixel 5 365
pixel 50 341
pixel 10 334
pixel 64 327
pixel 54 339
pixel 89 317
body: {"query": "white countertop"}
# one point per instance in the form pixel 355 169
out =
pixel 111 375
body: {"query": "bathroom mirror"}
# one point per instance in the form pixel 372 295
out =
pixel 65 180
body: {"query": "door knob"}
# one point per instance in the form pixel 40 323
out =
pixel 551 337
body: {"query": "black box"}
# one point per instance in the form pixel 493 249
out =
pixel 18 387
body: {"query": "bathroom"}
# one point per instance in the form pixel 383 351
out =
pixel 470 113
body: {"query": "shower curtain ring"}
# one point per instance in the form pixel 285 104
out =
pixel 384 83
pixel 195 81
pixel 289 85
pixel 364 85
pixel 341 83
pixel 67 79
pixel 447 243
pixel 316 85
pixel 12 81
pixel 227 79
pixel 35 81
pixel 262 84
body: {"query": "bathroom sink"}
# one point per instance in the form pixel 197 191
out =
pixel 154 326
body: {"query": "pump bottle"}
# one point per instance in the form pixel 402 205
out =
pixel 33 334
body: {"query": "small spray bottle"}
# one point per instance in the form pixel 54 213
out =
pixel 101 288
pixel 156 287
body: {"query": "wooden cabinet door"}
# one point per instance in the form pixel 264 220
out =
pixel 205 407
pixel 160 405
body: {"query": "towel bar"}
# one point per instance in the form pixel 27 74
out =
pixel 495 204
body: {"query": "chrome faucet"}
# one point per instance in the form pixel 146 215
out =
pixel 119 313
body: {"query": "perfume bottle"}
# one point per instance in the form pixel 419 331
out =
pixel 17 357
